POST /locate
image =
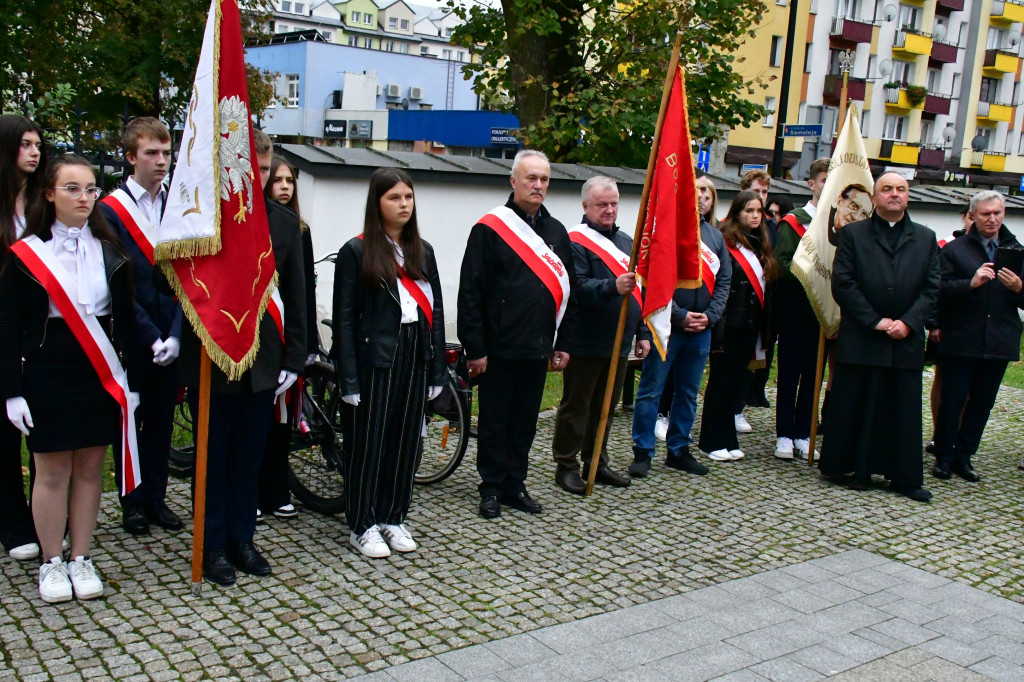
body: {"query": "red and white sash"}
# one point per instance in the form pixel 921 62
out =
pixel 602 247
pixel 791 220
pixel 420 291
pixel 747 260
pixel 139 227
pixel 275 308
pixel 528 245
pixel 711 265
pixel 63 291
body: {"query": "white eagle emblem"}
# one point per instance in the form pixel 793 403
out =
pixel 236 174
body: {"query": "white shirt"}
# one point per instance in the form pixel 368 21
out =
pixel 410 310
pixel 19 226
pixel 150 207
pixel 811 209
pixel 85 250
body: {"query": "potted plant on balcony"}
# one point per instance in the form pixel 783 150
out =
pixel 916 94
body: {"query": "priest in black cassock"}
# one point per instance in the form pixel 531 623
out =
pixel 885 278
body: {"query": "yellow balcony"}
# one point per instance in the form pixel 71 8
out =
pixel 990 161
pixel 910 45
pixel 898 99
pixel 1006 12
pixel 998 62
pixel 991 113
pixel 898 152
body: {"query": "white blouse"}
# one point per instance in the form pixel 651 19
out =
pixel 410 310
pixel 81 254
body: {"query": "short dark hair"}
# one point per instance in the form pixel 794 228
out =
pixel 757 174
pixel 818 166
pixel 143 126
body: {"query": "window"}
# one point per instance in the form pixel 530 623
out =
pixel 446 54
pixel 356 16
pixel 903 72
pixel 807 60
pixel 989 87
pixel 353 41
pixel 389 45
pixel 769 120
pixel 327 35
pixel 393 22
pixel 367 19
pixel 293 90
pixel 404 48
pixel 776 54
pixel 405 24
pixel 996 38
pixel 926 131
pixel 848 9
pixel 955 90
pixel 1016 94
pixel 286 6
pixel 281 28
pixel 934 80
pixel 300 8
pixel 424 49
pixel 368 43
pixel 895 128
pixel 448 32
pixel 909 17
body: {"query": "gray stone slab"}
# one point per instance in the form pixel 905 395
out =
pixel 786 669
pixel 963 631
pixel 745 675
pixel 425 670
pixel 1001 625
pixel 714 598
pixel 644 647
pixel 826 661
pixel 999 669
pixel 749 588
pixel 540 671
pixel 582 665
pixel 880 671
pixel 940 670
pixel 704 663
pixel 780 580
pixel 916 613
pixel 474 661
pixel 520 650
pixel 803 601
pixel 698 632
pixel 1004 648
pixel 681 607
pixel 904 631
pixel 850 561
pixel 752 615
pixel 869 580
pixel 593 631
pixel 954 651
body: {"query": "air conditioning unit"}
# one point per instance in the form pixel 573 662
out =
pixel 380 90
pixel 394 91
pixel 415 92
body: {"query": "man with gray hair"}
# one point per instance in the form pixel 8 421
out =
pixel 513 299
pixel 600 253
pixel 978 302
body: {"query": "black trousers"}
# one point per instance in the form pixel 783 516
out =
pixel 383 436
pixel 154 426
pixel 758 378
pixel 727 385
pixel 963 377
pixel 794 398
pixel 16 525
pixel 579 412
pixel 509 395
pixel 273 485
pixel 238 434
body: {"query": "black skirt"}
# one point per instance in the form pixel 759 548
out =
pixel 70 408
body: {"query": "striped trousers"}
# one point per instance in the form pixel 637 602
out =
pixel 382 437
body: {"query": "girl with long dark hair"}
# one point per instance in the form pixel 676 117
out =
pixel 22 167
pixel 389 345
pixel 739 336
pixel 66 307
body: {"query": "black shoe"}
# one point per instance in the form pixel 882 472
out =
pixel 967 472
pixel 570 482
pixel 641 463
pixel 490 507
pixel 160 515
pixel 247 558
pixel 859 483
pixel 605 476
pixel 757 401
pixel 917 494
pixel 684 461
pixel 217 569
pixel 134 521
pixel 929 447
pixel 1020 464
pixel 523 502
pixel 942 470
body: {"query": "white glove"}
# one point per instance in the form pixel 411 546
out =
pixel 434 391
pixel 133 400
pixel 284 381
pixel 168 352
pixel 352 399
pixel 17 412
pixel 310 359
pixel 157 348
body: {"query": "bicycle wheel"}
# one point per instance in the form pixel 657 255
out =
pixel 314 460
pixel 447 433
pixel 182 456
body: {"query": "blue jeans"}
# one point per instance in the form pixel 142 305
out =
pixel 685 357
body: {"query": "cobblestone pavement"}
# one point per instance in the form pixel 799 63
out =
pixel 329 613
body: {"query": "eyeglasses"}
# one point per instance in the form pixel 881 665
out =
pixel 75 192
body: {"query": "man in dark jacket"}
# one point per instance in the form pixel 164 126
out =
pixel 134 209
pixel 885 278
pixel 601 255
pixel 513 293
pixel 980 333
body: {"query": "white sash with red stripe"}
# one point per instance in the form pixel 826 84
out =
pixel 711 265
pixel 755 274
pixel 275 308
pixel 602 247
pixel 528 245
pixel 63 291
pixel 421 292
pixel 139 227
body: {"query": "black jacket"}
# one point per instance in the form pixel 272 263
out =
pixel 598 302
pixel 982 322
pixel 743 309
pixel 309 279
pixel 701 300
pixel 367 320
pixel 872 280
pixel 24 315
pixel 504 310
pixel 272 357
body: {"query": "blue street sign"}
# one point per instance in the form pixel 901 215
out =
pixel 704 160
pixel 803 130
pixel 1022 184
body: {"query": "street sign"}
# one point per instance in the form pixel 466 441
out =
pixel 704 160
pixel 360 130
pixel 335 128
pixel 747 167
pixel 504 136
pixel 1022 183
pixel 902 171
pixel 802 130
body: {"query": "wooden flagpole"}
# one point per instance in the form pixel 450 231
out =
pixel 202 421
pixel 595 458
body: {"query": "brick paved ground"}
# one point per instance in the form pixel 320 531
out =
pixel 329 613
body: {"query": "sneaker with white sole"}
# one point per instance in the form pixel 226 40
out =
pixel 784 448
pixel 397 536
pixel 370 543
pixel 26 552
pixel 802 445
pixel 84 579
pixel 741 424
pixel 54 584
pixel 287 511
pixel 661 428
pixel 719 455
pixel 736 454
pixel 259 517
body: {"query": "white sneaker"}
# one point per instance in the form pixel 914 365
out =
pixel 259 516
pixel 26 552
pixel 287 511
pixel 736 454
pixel 661 428
pixel 54 585
pixel 741 424
pixel 84 579
pixel 802 445
pixel 719 455
pixel 370 543
pixel 784 448
pixel 398 537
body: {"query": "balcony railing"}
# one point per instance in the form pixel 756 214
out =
pixel 944 53
pixel 931 158
pixel 999 62
pixel 1007 11
pixel 995 111
pixel 912 42
pixel 898 151
pixel 947 6
pixel 937 104
pixel 851 30
pixel 855 89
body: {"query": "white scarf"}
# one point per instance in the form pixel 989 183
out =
pixel 81 253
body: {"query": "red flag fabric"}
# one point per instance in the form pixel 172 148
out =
pixel 669 253
pixel 214 231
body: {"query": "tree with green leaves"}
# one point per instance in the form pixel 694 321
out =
pixel 585 78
